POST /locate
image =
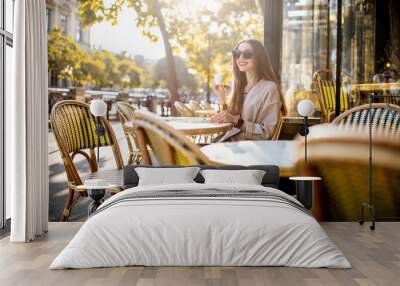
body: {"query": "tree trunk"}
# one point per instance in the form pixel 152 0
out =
pixel 172 80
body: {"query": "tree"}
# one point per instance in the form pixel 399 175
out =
pixel 105 69
pixel 64 57
pixel 149 15
pixel 98 68
pixel 128 72
pixel 185 79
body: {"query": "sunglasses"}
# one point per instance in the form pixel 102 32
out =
pixel 247 54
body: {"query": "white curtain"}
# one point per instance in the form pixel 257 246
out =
pixel 27 119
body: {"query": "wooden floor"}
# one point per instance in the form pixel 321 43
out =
pixel 375 257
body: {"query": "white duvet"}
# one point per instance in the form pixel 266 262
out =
pixel 200 231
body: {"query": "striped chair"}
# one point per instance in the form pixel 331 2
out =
pixel 326 92
pixel 392 97
pixel 385 119
pixel 74 129
pixel 206 106
pixel 342 163
pixel 183 110
pixel 169 146
pixel 194 105
pixel 126 114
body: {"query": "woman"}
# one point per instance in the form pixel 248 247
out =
pixel 256 103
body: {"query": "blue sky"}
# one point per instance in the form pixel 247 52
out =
pixel 125 37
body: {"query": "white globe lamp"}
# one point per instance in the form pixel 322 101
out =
pixel 98 107
pixel 305 107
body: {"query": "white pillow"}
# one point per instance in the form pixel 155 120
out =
pixel 166 176
pixel 248 177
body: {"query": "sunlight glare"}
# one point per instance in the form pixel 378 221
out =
pixel 210 5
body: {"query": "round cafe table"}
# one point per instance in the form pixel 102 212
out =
pixel 192 125
pixel 205 113
pixel 279 153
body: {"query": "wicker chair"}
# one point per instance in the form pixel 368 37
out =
pixel 278 129
pixel 385 119
pixel 74 129
pixel 326 92
pixel 126 114
pixel 342 162
pixel 206 106
pixel 169 146
pixel 183 110
pixel 194 105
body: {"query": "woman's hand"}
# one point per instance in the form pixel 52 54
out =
pixel 224 117
pixel 221 93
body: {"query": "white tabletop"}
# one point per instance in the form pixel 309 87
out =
pixel 280 153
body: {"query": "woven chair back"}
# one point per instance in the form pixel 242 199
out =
pixel 326 93
pixel 125 111
pixel 392 98
pixel 169 146
pixel 385 119
pixel 74 129
pixel 206 105
pixel 278 129
pixel 194 105
pixel 342 163
pixel 182 109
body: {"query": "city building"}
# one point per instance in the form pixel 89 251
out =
pixel 63 14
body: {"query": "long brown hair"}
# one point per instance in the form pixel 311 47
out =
pixel 264 70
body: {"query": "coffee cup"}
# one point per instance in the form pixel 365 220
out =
pixel 218 79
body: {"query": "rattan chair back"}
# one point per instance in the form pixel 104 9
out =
pixel 125 111
pixel 74 129
pixel 392 97
pixel 194 105
pixel 342 163
pixel 182 109
pixel 206 106
pixel 278 129
pixel 169 146
pixel 385 119
pixel 325 89
pixel 126 114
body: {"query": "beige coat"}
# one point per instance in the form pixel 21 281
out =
pixel 261 111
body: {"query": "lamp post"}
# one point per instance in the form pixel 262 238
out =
pixel 305 108
pixel 99 109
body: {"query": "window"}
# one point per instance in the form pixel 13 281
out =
pixel 6 43
pixel 369 50
pixel 305 48
pixel 48 18
pixel 9 11
pixel 79 32
pixel 64 23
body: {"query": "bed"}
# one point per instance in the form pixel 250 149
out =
pixel 197 224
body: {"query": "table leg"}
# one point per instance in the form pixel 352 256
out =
pixel 304 191
pixel 97 196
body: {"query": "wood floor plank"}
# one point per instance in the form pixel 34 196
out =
pixel 375 258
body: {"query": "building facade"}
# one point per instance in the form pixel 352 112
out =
pixel 63 14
